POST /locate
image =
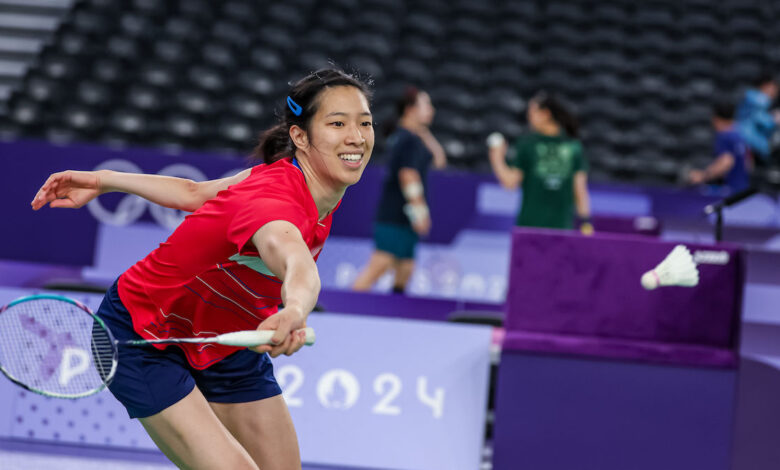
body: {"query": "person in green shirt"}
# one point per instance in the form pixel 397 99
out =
pixel 549 165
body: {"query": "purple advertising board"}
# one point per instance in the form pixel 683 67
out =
pixel 371 393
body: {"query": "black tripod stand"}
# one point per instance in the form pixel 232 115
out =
pixel 717 209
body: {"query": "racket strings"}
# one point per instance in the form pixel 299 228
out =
pixel 103 352
pixel 55 348
pixel 22 350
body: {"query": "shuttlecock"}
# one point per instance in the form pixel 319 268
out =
pixel 677 269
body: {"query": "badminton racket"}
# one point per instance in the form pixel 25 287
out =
pixel 55 346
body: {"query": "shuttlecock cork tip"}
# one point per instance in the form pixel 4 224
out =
pixel 649 280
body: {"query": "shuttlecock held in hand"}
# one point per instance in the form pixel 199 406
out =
pixel 495 140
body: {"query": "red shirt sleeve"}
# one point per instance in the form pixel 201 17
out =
pixel 274 194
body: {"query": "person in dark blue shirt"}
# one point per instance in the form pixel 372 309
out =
pixel 403 216
pixel 732 163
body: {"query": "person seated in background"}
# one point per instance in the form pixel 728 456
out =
pixel 731 164
pixel 549 165
pixel 755 122
pixel 403 216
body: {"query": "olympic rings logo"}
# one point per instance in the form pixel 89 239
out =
pixel 131 207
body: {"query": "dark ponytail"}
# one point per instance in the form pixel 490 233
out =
pixel 301 104
pixel 407 99
pixel 560 112
pixel 273 142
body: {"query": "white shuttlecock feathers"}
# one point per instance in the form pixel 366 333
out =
pixel 677 269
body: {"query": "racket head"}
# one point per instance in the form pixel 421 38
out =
pixel 55 346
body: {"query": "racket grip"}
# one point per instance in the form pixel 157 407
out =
pixel 251 338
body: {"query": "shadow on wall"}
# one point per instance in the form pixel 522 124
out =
pixel 757 427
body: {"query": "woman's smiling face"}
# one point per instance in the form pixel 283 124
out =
pixel 341 135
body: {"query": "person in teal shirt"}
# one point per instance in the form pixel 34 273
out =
pixel 549 165
pixel 755 121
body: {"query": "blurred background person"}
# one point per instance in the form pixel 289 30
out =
pixel 732 163
pixel 756 122
pixel 403 216
pixel 549 165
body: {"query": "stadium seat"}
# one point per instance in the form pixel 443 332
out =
pixel 198 10
pixel 256 82
pixel 59 67
pixel 94 94
pixel 285 15
pixel 172 51
pixel 566 13
pixel 73 43
pixel 123 47
pixel 194 101
pixel 144 97
pixel 246 106
pixel 182 29
pixel 232 33
pixel 136 25
pixel 240 12
pixel 158 74
pixel 129 122
pixel 26 112
pixel 207 78
pixel 43 89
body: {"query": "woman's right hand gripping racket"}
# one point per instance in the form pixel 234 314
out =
pixel 55 346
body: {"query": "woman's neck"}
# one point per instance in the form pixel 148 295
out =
pixel 322 190
pixel 549 129
pixel 409 124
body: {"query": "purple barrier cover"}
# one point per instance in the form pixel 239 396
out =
pixel 584 294
pixel 618 348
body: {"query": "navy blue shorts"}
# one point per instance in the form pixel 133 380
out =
pixel 149 380
pixel 398 240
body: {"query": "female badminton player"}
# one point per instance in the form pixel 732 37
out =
pixel 225 268
pixel 402 213
pixel 549 165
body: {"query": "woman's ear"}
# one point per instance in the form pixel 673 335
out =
pixel 299 137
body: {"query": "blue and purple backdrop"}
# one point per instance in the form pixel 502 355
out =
pixel 371 393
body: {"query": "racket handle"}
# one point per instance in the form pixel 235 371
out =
pixel 251 338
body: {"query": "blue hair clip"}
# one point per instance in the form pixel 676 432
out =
pixel 294 107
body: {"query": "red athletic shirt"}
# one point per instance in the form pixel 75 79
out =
pixel 207 278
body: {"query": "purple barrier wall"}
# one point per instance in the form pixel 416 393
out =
pixel 398 306
pixel 453 198
pixel 68 237
pixel 575 294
